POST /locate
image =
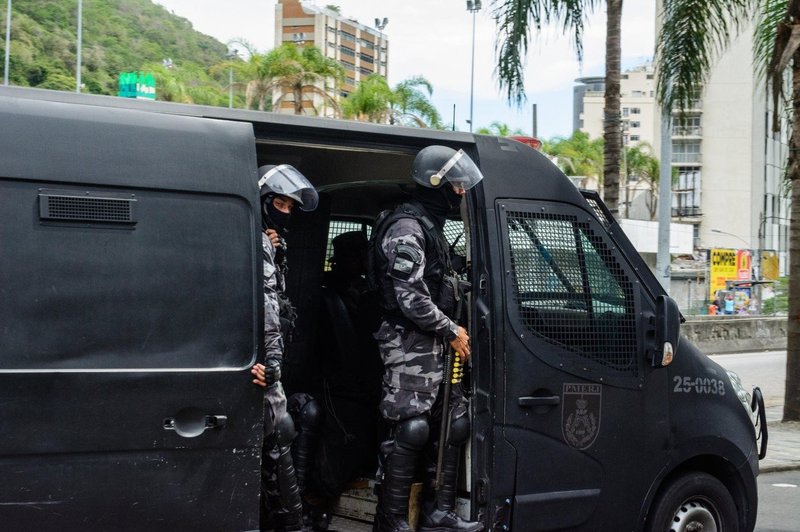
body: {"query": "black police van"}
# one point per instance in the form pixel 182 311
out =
pixel 131 311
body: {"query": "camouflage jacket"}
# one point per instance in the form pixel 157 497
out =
pixel 273 284
pixel 404 246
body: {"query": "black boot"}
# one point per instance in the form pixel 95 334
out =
pixel 387 522
pixel 438 515
pixel 309 419
pixel 436 520
pixel 398 475
pixel 289 522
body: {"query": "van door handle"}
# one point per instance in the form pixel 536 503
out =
pixel 528 401
pixel 192 422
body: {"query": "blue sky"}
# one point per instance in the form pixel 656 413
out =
pixel 433 39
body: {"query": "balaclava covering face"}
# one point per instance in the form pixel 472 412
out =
pixel 439 202
pixel 272 217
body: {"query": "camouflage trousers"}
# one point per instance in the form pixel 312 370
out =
pixel 413 364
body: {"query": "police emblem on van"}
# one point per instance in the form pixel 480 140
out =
pixel 580 414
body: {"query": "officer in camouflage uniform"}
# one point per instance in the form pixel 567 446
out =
pixel 411 265
pixel 282 187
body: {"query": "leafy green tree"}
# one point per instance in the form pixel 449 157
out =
pixel 642 165
pixel 514 19
pixel 692 36
pixel 407 104
pixel 577 155
pixel 291 71
pixel 186 84
pixel 118 36
pixel 779 303
pixel 370 101
pixel 499 129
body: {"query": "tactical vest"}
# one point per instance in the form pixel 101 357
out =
pixel 287 313
pixel 437 260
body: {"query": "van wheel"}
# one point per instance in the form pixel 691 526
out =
pixel 691 503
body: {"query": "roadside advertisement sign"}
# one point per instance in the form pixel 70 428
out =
pixel 770 267
pixel 723 267
pixel 744 264
pixel 141 85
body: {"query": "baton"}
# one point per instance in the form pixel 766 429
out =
pixel 452 375
pixel 445 428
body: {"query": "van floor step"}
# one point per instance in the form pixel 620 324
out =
pixel 343 524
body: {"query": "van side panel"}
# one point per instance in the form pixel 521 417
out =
pixel 130 310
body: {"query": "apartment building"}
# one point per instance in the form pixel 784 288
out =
pixel 360 49
pixel 640 124
pixel 637 105
pixel 729 184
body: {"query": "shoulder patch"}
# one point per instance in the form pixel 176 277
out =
pixel 405 260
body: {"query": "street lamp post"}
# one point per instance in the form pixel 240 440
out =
pixel 78 53
pixel 745 242
pixel 233 53
pixel 380 23
pixel 473 6
pixel 8 43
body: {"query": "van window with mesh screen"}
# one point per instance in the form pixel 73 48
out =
pixel 569 289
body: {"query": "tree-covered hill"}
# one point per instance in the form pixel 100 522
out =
pixel 118 36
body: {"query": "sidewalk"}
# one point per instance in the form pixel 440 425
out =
pixel 783 445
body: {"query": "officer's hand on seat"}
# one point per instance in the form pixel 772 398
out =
pixel 461 343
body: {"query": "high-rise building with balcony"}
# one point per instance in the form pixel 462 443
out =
pixel 729 165
pixel 360 49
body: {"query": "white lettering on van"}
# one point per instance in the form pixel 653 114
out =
pixel 699 385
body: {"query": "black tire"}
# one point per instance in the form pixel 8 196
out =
pixel 691 499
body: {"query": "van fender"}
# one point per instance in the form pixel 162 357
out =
pixel 720 458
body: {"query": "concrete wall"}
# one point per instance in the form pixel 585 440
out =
pixel 729 334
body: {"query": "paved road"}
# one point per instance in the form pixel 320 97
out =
pixel 767 370
pixel 778 495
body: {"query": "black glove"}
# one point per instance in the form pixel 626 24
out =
pixel 272 371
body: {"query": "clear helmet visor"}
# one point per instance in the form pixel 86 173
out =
pixel 286 180
pixel 460 171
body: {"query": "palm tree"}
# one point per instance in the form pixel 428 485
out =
pixel 514 18
pixel 692 35
pixel 296 72
pixel 411 106
pixel 185 83
pixel 577 155
pixel 370 101
pixel 407 105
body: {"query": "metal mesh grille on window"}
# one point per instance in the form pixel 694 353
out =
pixel 570 291
pixel 601 215
pixel 338 227
pixel 88 209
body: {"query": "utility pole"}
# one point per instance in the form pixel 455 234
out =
pixel 473 6
pixel 665 201
pixel 78 54
pixel 8 43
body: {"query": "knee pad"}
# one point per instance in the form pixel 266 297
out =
pixel 284 431
pixel 459 431
pixel 412 433
pixel 311 416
